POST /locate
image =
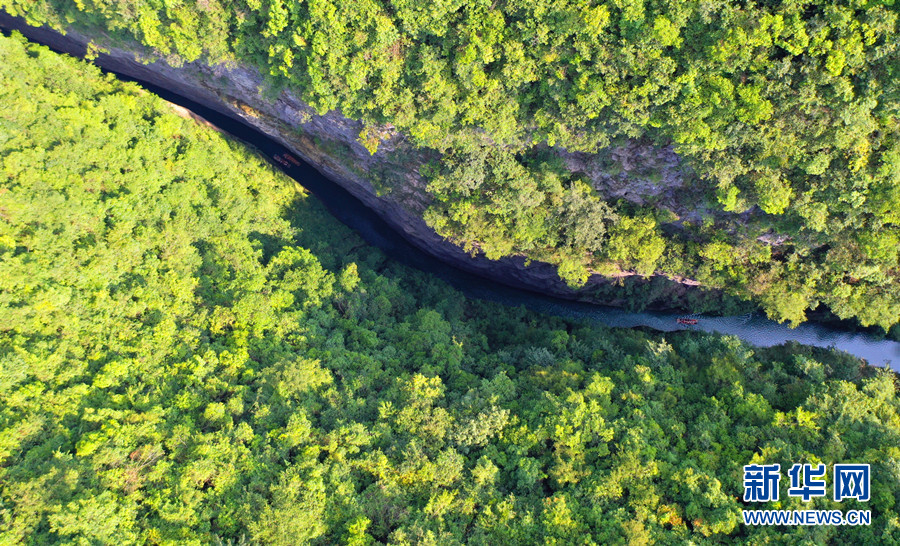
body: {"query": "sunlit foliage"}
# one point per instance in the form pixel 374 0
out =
pixel 194 352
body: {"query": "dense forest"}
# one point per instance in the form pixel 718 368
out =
pixel 785 115
pixel 192 351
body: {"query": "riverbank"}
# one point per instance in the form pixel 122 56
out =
pixel 330 144
pixel 375 228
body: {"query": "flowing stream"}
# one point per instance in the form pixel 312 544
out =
pixel 755 329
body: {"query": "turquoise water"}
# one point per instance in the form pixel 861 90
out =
pixel 755 329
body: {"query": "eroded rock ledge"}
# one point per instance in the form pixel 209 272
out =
pixel 388 181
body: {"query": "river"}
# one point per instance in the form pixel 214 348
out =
pixel 754 329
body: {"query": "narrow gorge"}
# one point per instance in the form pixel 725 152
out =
pixel 387 181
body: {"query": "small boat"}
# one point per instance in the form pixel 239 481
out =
pixel 281 160
pixel 292 159
pixel 687 321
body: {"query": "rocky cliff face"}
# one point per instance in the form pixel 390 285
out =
pixel 387 181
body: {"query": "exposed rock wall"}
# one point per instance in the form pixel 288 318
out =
pixel 387 182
